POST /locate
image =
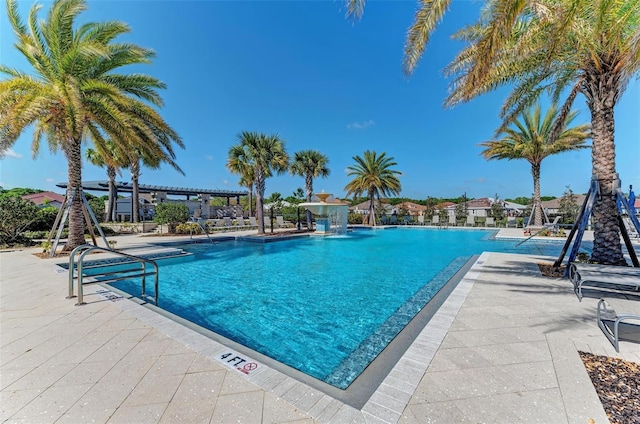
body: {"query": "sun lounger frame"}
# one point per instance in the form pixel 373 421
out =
pixel 609 322
pixel 594 275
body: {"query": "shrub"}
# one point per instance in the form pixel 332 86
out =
pixel 16 215
pixel 188 228
pixel 45 219
pixel 97 206
pixel 354 218
pixel 171 214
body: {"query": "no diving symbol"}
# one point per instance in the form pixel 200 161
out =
pixel 248 367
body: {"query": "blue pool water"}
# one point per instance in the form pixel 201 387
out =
pixel 325 306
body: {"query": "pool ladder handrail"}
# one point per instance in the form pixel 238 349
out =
pixel 84 249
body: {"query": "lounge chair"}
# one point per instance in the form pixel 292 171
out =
pixel 253 222
pixel 511 222
pixel 471 220
pixel 406 220
pixel 435 220
pixel 532 230
pixel 604 277
pixel 452 220
pixel 611 322
pixel 490 222
pixel 383 220
pixel 282 223
pixel 394 220
pixel 420 219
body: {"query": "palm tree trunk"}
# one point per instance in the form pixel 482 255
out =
pixel 250 199
pixel 135 203
pixel 113 194
pixel 606 245
pixel 76 216
pixel 260 188
pixel 309 189
pixel 372 210
pixel 537 205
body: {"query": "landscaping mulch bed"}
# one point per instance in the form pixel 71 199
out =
pixel 548 270
pixel 617 383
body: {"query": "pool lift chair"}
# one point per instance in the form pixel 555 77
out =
pixel 196 217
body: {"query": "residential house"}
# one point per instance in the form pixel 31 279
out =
pixel 45 199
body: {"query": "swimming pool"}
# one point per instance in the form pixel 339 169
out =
pixel 324 306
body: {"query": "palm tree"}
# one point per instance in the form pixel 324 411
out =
pixel 76 94
pixel 237 165
pixel 309 164
pixel 530 139
pixel 373 175
pixel 113 161
pixel 264 154
pixel 541 46
pixel 151 160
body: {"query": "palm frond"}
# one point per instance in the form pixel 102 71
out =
pixel 427 17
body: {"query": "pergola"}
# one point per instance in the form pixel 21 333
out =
pixel 126 187
pixel 155 194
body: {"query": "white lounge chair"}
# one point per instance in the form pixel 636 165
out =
pixel 532 230
pixel 610 322
pixel 435 220
pixel 490 222
pixel 420 219
pixel 282 223
pixel 471 220
pixel 452 220
pixel 604 277
pixel 511 222
pixel 253 222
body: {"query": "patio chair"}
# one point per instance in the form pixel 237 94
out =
pixel 490 222
pixel 552 226
pixel 452 220
pixel 406 220
pixel 615 326
pixel 471 220
pixel 604 277
pixel 282 223
pixel 252 222
pixel 420 219
pixel 383 220
pixel 394 220
pixel 435 220
pixel 511 222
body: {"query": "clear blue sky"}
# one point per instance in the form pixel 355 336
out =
pixel 300 69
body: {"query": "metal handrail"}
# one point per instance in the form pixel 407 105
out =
pixel 84 249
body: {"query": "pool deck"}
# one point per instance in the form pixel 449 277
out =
pixel 503 348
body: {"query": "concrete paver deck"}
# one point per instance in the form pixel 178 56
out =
pixel 502 348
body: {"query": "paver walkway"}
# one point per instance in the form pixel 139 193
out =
pixel 502 349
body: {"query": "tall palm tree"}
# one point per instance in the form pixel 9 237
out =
pixel 265 154
pixel 531 139
pixel 76 93
pixel 580 46
pixel 309 164
pixel 373 175
pixel 110 161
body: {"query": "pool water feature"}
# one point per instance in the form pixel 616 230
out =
pixel 325 306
